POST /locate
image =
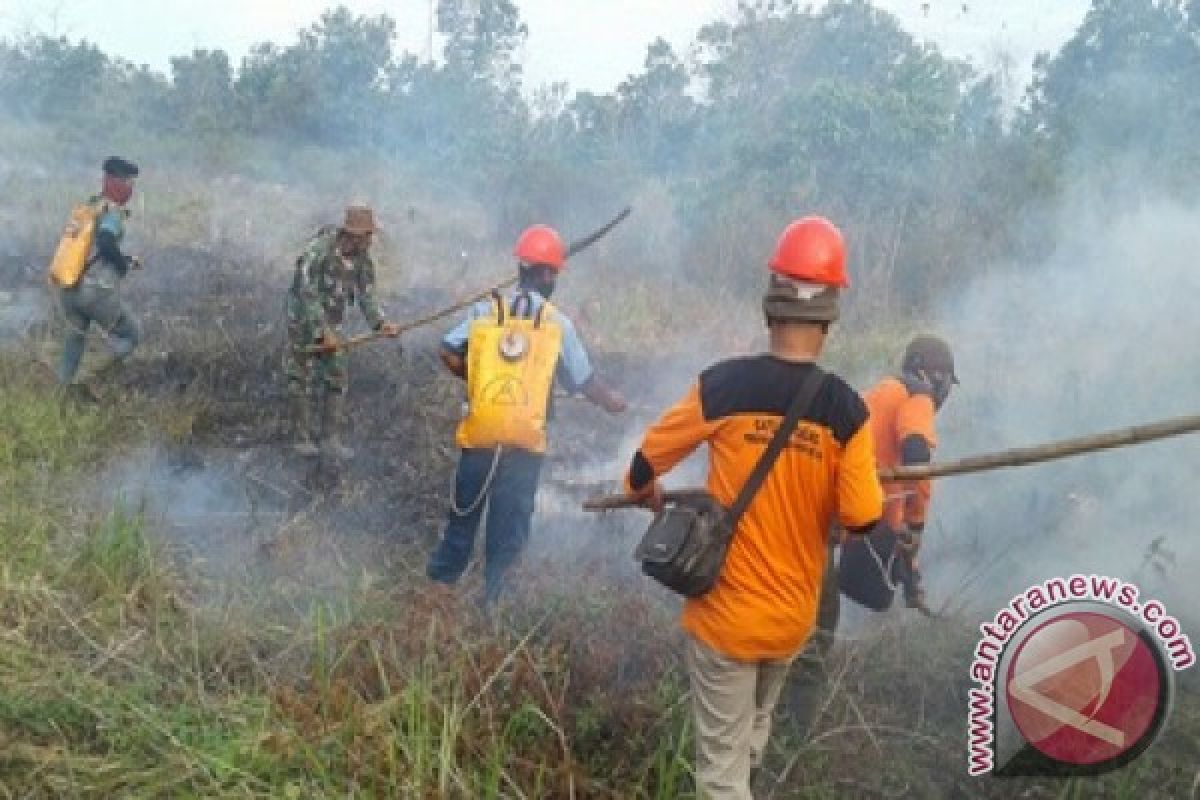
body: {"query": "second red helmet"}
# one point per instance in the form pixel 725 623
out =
pixel 541 245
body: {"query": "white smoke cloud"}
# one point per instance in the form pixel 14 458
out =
pixel 1103 335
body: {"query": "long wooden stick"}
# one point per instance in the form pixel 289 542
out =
pixel 612 502
pixel 1015 457
pixel 363 338
pixel 1021 456
pixel 573 249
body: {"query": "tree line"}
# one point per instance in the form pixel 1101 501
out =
pixel 780 109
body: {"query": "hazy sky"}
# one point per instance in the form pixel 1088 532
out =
pixel 589 43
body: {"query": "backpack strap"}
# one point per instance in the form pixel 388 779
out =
pixel 541 313
pixel 499 301
pixel 522 295
pixel 99 206
pixel 799 406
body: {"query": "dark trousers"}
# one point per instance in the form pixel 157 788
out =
pixel 863 574
pixel 509 509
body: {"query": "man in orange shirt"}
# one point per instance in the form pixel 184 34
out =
pixel 745 632
pixel 902 425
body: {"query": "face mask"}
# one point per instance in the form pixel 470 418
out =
pixel 936 386
pixel 540 279
pixel 941 389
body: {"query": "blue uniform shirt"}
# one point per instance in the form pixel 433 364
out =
pixel 108 266
pixel 574 367
pixel 112 221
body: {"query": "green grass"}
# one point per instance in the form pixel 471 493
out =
pixel 113 682
pixel 122 674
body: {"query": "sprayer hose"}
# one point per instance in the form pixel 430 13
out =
pixel 483 491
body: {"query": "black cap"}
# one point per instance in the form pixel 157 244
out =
pixel 119 167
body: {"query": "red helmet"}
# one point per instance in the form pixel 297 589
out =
pixel 541 245
pixel 812 250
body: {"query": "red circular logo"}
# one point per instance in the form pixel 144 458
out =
pixel 1084 688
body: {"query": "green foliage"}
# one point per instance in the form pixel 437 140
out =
pixel 782 109
pixel 1121 94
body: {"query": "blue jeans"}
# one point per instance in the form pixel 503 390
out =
pixel 509 509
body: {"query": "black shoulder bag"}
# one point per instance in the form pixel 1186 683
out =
pixel 685 546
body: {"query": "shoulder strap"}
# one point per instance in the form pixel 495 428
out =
pixel 800 404
pixel 98 205
pixel 499 301
pixel 519 297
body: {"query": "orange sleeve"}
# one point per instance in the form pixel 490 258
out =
pixel 859 494
pixel 914 417
pixel 680 430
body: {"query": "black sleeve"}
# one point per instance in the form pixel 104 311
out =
pixel 915 450
pixel 640 471
pixel 108 250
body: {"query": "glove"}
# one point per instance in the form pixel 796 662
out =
pixel 328 343
pixel 615 403
pixel 389 329
pixel 604 396
pixel 650 496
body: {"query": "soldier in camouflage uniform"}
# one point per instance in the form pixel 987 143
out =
pixel 335 271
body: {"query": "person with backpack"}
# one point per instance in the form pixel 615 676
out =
pixel 790 448
pixel 88 278
pixel 334 271
pixel 510 349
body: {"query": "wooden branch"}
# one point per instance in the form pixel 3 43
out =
pixel 1016 457
pixel 364 338
pixel 1021 456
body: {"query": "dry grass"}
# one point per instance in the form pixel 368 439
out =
pixel 314 660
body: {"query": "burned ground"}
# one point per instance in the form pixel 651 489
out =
pixel 576 688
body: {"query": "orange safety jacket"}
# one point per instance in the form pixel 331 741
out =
pixel 764 604
pixel 897 414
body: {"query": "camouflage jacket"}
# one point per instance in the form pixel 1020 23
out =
pixel 321 290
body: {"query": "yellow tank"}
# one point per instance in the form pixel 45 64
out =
pixel 510 372
pixel 70 259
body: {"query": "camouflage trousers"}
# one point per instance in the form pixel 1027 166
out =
pixel 308 374
pixel 94 302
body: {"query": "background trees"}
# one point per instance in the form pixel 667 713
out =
pixel 781 109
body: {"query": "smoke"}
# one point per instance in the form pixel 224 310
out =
pixel 1102 335
pixel 19 310
pixel 200 506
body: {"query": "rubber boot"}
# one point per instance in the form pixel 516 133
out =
pixel 302 425
pixel 72 355
pixel 333 423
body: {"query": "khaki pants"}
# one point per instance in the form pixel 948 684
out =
pixel 732 703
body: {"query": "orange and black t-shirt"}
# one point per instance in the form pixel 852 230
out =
pixel 897 414
pixel 764 604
